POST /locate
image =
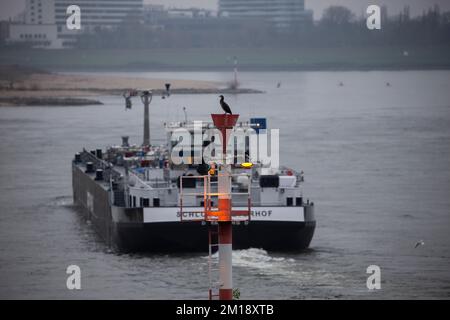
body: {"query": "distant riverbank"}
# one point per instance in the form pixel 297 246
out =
pixel 47 101
pixel 30 86
pixel 219 59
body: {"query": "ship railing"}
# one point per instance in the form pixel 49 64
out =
pixel 154 182
pixel 210 212
pixel 139 181
pixel 299 175
pixel 159 183
pixel 108 172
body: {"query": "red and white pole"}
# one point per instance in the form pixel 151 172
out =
pixel 225 261
pixel 224 122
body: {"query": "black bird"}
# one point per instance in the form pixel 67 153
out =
pixel 225 105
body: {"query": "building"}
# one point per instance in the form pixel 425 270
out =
pixel 194 20
pixel 95 14
pixel 45 21
pixel 99 13
pixel 38 27
pixel 281 13
pixel 40 12
pixel 153 14
pixel 38 36
pixel 188 13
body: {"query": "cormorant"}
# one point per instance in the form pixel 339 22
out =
pixel 225 105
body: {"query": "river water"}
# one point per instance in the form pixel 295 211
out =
pixel 377 166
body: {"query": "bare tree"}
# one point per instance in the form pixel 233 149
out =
pixel 337 15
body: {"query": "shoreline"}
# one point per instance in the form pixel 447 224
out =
pixel 20 86
pixel 77 97
pixel 46 101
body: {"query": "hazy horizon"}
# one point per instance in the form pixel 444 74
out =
pixel 11 8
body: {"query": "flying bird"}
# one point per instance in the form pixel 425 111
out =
pixel 225 105
pixel 419 243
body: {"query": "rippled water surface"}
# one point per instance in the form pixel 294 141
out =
pixel 376 161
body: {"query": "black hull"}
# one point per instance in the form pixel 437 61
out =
pixel 193 236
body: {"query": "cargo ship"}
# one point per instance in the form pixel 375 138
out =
pixel 139 200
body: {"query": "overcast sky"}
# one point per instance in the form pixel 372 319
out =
pixel 10 8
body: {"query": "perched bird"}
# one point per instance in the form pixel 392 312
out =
pixel 419 243
pixel 225 105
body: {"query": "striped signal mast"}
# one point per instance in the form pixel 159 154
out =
pixel 224 122
pixel 220 213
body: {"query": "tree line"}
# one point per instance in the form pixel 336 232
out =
pixel 337 27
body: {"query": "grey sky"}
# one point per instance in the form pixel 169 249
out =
pixel 10 8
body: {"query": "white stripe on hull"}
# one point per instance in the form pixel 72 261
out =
pixel 172 214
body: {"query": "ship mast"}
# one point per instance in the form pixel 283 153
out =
pixel 146 98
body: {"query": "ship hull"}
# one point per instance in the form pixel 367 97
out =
pixel 193 236
pixel 130 229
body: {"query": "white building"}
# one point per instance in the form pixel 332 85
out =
pixel 39 28
pixel 38 35
pixel 45 20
